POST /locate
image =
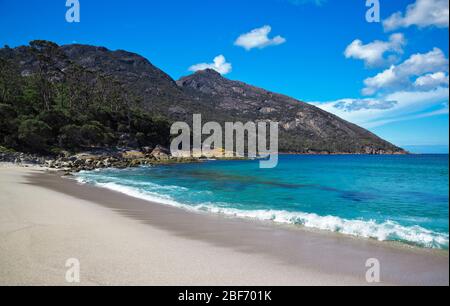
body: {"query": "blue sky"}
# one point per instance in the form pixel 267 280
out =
pixel 390 77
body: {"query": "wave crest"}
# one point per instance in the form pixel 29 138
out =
pixel 387 231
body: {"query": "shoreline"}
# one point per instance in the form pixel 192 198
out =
pixel 248 216
pixel 289 253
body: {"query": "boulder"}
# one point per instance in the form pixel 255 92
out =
pixel 134 163
pixel 147 150
pixel 161 153
pixel 133 154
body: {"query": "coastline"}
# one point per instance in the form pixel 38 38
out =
pixel 123 240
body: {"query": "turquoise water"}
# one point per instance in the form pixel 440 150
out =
pixel 400 198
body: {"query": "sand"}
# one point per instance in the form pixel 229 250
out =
pixel 46 220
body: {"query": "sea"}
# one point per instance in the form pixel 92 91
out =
pixel 402 198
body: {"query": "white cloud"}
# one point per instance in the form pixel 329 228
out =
pixel 351 105
pixel 397 106
pixel 373 53
pixel 443 110
pixel 387 78
pixel 432 80
pixel 400 76
pixel 422 13
pixel 219 64
pixel 258 38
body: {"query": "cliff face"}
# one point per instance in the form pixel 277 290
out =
pixel 303 127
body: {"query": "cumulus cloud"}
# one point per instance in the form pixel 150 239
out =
pixel 258 38
pixel 422 13
pixel 373 54
pixel 401 75
pixel 219 64
pixel 397 106
pixel 386 79
pixel 432 80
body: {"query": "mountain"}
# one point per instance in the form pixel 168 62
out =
pixel 106 77
pixel 304 127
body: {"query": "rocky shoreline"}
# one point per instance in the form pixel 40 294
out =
pixel 122 158
pixel 97 159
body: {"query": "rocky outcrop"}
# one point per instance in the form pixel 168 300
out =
pixel 161 153
pixel 99 159
pixel 22 158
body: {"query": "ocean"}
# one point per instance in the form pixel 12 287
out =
pixel 401 198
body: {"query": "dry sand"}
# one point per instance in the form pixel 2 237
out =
pixel 119 240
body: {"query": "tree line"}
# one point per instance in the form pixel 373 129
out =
pixel 54 109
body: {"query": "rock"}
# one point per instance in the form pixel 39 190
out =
pixel 161 153
pixel 72 158
pixel 65 164
pixel 134 163
pixel 267 110
pixel 176 110
pixel 65 154
pixel 147 150
pixel 107 163
pixel 132 154
pixel 78 162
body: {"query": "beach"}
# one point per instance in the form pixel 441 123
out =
pixel 119 240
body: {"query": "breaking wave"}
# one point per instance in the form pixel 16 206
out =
pixel 386 231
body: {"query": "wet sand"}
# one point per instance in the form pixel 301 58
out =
pixel 120 240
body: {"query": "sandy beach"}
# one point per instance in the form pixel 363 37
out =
pixel 119 240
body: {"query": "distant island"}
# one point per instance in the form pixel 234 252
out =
pixel 73 98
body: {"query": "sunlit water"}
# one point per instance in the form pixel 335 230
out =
pixel 398 198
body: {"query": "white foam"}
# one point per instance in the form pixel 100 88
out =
pixel 85 178
pixel 387 231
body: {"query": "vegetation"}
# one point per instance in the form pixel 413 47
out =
pixel 48 110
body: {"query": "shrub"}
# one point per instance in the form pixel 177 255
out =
pixel 92 133
pixel 70 136
pixel 8 124
pixel 56 119
pixel 6 150
pixel 34 135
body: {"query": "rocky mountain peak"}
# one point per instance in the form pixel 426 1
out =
pixel 208 73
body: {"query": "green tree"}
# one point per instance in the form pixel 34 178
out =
pixel 34 135
pixel 92 133
pixel 8 125
pixel 60 104
pixel 55 118
pixel 70 137
pixel 10 82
